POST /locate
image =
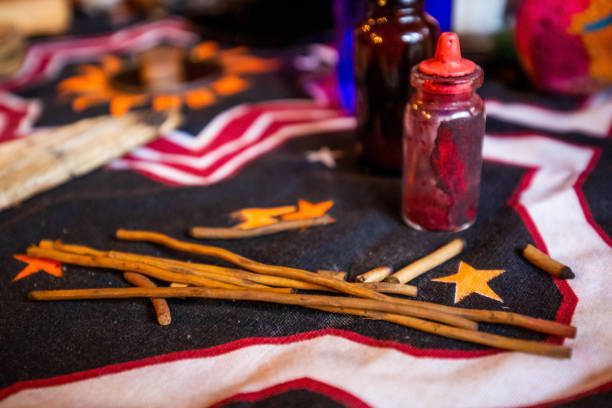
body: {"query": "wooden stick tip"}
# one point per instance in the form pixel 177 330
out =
pixel 391 279
pixel 567 273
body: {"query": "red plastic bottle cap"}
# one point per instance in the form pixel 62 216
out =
pixel 447 62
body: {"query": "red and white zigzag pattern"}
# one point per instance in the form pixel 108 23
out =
pixel 231 140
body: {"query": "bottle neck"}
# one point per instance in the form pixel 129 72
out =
pixel 445 98
pixel 398 6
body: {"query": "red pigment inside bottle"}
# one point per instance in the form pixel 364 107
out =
pixel 444 129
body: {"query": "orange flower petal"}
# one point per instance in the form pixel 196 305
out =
pixel 258 217
pixel 165 102
pixel 236 50
pixel 229 85
pixel 307 210
pixel 36 265
pixel 80 84
pixel 121 104
pixel 204 50
pixel 199 98
pixel 111 64
pixel 83 102
pixel 244 64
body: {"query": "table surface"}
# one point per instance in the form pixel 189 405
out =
pixel 547 180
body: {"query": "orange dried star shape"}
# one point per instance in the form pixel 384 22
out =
pixel 307 210
pixel 36 265
pixel 468 280
pixel 258 217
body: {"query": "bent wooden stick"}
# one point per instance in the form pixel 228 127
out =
pixel 237 233
pixel 162 311
pixel 287 272
pixel 253 295
pixel 362 307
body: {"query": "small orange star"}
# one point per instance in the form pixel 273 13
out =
pixel 36 265
pixel 468 280
pixel 258 217
pixel 307 210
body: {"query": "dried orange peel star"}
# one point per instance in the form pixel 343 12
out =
pixel 468 280
pixel 36 265
pixel 308 210
pixel 258 217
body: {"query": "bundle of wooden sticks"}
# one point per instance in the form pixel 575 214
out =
pixel 255 281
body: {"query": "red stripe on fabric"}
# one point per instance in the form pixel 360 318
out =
pixel 582 199
pixel 569 299
pixel 515 203
pixel 337 394
pixel 239 344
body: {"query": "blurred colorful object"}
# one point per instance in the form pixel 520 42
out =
pixel 566 46
pixel 205 75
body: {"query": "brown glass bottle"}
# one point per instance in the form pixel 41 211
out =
pixel 389 41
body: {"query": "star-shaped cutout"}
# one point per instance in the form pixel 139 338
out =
pixel 325 156
pixel 468 280
pixel 307 210
pixel 36 265
pixel 258 217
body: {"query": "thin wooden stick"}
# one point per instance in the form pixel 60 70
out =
pixel 252 295
pixel 332 274
pixel 419 267
pixel 217 272
pixel 237 233
pixel 162 311
pixel 546 263
pixel 492 316
pixel 173 265
pixel 118 264
pixel 492 340
pixel 394 288
pixel 374 275
pixel 362 307
pixel 286 272
pixel 499 317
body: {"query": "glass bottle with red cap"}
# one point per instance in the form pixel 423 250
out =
pixel 393 37
pixel 444 129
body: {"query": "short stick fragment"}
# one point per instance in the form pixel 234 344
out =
pixel 546 263
pixel 392 288
pixel 236 233
pixel 419 267
pixel 162 311
pixel 375 275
